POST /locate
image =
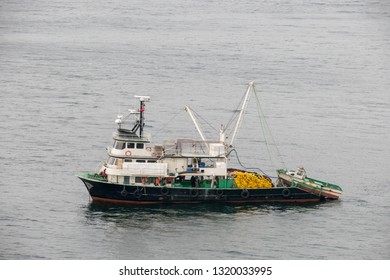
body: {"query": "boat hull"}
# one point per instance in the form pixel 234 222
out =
pixel 101 191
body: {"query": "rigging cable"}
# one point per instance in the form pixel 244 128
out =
pixel 166 124
pixel 203 119
pixel 265 127
pixel 248 168
pixel 235 114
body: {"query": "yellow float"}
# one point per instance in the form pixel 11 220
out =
pixel 246 180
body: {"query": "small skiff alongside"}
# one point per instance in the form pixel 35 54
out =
pixel 297 178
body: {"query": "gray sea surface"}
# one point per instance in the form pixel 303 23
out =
pixel 322 70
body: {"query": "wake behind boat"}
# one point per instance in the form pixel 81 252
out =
pixel 186 170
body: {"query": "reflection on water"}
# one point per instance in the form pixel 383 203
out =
pixel 212 228
pixel 116 213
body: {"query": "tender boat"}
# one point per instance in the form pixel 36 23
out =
pixel 189 171
pixel 299 179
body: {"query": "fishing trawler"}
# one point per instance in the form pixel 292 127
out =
pixel 185 170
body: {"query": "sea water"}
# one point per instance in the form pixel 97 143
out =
pixel 321 68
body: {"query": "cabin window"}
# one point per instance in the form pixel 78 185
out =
pixel 111 161
pixel 128 160
pixel 138 179
pixel 140 145
pixel 140 160
pixel 119 145
pixel 152 161
pixel 130 145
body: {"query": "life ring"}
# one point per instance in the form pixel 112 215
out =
pixel 245 193
pixel 194 193
pixel 286 192
pixel 220 192
pixel 149 149
pixel 124 192
pixel 137 193
pixel 154 155
pixel 128 153
pixel 164 191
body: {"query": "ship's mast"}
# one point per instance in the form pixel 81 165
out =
pixel 142 100
pixel 242 111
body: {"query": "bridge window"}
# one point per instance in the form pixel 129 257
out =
pixel 140 145
pixel 119 145
pixel 111 161
pixel 130 145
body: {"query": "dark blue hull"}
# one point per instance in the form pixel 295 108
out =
pixel 132 194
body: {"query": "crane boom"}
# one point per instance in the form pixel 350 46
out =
pixel 188 110
pixel 242 111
